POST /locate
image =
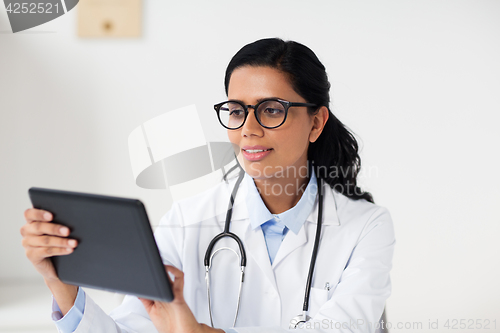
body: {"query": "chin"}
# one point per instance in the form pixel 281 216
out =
pixel 259 170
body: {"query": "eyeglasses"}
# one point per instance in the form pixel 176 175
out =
pixel 270 113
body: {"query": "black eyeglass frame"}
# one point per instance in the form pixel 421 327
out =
pixel 286 105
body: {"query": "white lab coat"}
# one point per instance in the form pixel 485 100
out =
pixel 354 258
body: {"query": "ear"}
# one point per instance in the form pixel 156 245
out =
pixel 319 121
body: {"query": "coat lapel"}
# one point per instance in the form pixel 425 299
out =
pixel 291 241
pixel 257 249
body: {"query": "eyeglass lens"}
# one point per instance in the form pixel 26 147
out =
pixel 269 113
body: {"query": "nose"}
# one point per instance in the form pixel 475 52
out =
pixel 251 125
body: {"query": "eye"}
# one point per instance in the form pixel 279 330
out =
pixel 233 109
pixel 236 112
pixel 273 111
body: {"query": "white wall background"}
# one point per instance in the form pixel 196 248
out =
pixel 417 81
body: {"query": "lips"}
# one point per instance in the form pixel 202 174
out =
pixel 255 153
pixel 257 147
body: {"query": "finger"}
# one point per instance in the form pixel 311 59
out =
pixel 44 228
pixel 49 241
pixel 175 271
pixel 178 283
pixel 46 252
pixel 33 214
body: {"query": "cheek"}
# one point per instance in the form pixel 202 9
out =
pixel 233 136
pixel 296 138
pixel 295 145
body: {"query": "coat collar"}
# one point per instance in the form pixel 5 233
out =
pixel 293 218
pixel 330 216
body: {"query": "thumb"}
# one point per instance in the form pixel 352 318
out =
pixel 178 283
pixel 148 304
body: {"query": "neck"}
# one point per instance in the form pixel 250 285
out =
pixel 281 193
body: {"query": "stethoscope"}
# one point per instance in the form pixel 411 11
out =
pixel 296 321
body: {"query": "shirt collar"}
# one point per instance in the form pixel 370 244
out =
pixel 293 218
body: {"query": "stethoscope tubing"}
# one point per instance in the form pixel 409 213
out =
pixel 314 255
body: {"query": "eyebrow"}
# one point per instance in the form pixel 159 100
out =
pixel 258 100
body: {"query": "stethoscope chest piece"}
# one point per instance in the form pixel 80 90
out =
pixel 300 319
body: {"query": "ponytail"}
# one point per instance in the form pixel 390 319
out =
pixel 334 157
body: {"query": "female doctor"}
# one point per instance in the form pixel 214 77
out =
pixel 304 225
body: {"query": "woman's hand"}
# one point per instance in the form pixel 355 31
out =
pixel 43 239
pixel 175 317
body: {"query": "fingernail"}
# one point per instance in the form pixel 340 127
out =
pixel 72 242
pixel 47 216
pixel 64 231
pixel 69 249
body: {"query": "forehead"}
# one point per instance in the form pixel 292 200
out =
pixel 250 83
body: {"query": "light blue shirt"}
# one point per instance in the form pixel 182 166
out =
pixel 274 228
pixel 72 319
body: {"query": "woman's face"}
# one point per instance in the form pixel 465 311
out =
pixel 287 145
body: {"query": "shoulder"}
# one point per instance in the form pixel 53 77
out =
pixel 363 209
pixel 363 215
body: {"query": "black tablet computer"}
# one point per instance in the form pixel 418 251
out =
pixel 116 249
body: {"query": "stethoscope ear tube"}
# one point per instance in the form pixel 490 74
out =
pixel 207 279
pixel 303 318
pixel 305 307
